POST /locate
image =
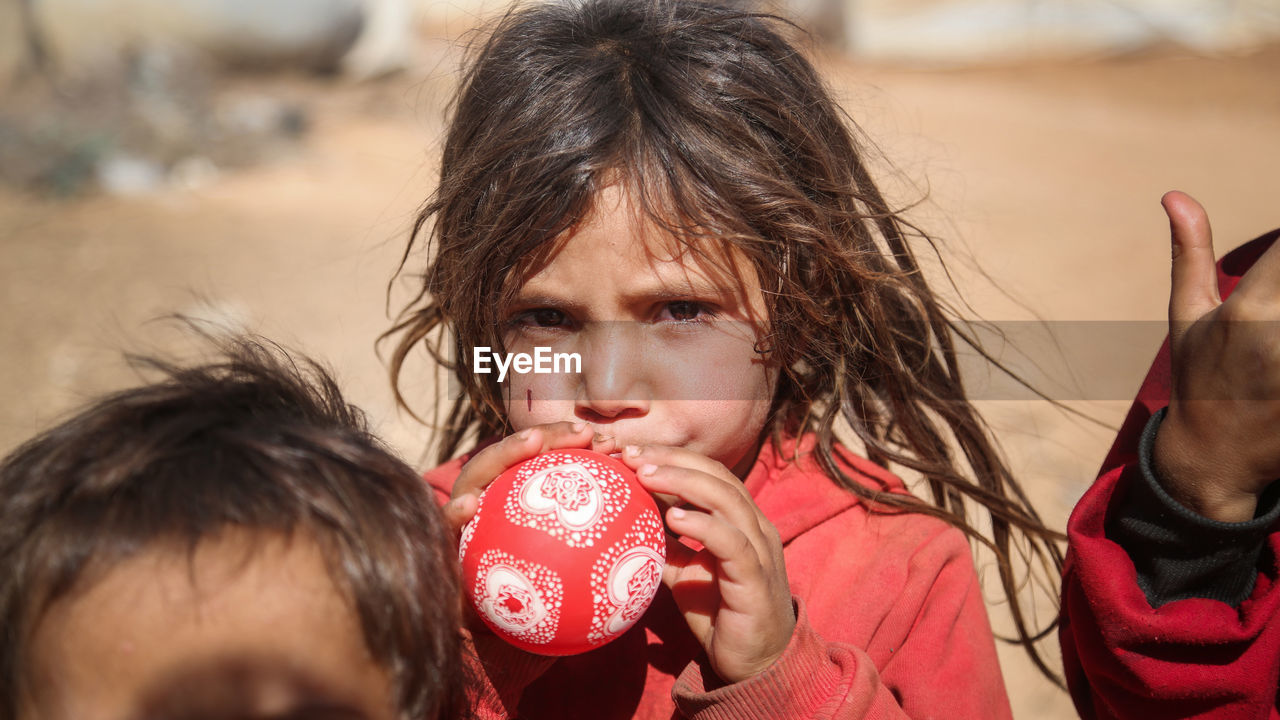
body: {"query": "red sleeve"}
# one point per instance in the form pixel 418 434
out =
pixel 1192 658
pixel 499 673
pixel 943 661
pixel 442 478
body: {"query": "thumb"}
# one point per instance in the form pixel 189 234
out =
pixel 1194 285
pixel 459 511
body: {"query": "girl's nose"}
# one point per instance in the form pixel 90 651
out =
pixel 614 382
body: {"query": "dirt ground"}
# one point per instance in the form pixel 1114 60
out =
pixel 1042 182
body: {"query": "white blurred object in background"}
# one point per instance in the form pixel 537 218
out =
pixel 966 31
pixel 370 38
pixel 76 36
pixel 385 44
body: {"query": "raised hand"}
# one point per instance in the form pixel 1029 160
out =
pixel 1219 445
pixel 494 460
pixel 734 592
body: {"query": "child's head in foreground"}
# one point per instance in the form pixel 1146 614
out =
pixel 668 189
pixel 228 542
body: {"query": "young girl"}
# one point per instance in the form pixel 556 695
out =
pixel 667 189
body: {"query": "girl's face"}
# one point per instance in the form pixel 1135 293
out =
pixel 666 340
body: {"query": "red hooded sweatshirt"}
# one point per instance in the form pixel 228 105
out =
pixel 890 623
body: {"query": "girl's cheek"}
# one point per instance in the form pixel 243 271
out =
pixel 721 368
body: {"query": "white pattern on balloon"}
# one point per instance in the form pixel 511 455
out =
pixel 632 583
pixel 510 599
pixel 626 577
pixel 569 491
pixel 572 499
pixel 522 598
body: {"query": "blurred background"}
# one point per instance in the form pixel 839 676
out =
pixel 257 166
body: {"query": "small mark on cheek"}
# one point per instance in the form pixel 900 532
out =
pixel 528 398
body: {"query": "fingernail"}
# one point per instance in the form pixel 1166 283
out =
pixel 647 469
pixel 579 427
pixel 524 434
pixel 676 513
pixel 601 438
pixel 632 450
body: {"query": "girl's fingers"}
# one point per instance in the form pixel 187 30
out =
pixel 495 459
pixel 636 456
pixel 459 511
pixel 603 442
pixel 717 497
pixel 738 561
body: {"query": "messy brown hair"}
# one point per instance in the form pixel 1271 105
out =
pixel 716 125
pixel 258 441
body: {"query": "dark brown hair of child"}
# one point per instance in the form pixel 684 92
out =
pixel 258 441
pixel 720 130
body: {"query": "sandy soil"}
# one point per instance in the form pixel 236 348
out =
pixel 1043 186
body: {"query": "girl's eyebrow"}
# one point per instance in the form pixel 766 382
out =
pixel 681 292
pixel 523 300
pixel 657 293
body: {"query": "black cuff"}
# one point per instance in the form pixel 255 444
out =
pixel 1178 553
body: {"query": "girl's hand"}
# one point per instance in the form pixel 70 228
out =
pixel 734 592
pixel 494 460
pixel 1219 446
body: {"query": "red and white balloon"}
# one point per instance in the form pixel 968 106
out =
pixel 565 552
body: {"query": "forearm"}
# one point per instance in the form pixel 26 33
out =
pixel 1194 657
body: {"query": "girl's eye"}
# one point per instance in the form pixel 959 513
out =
pixel 542 317
pixel 687 311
